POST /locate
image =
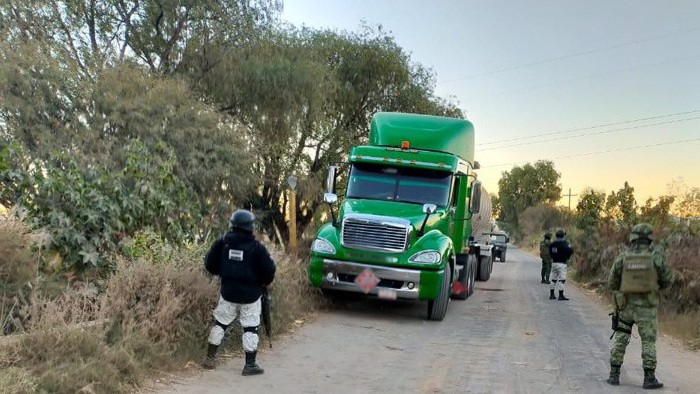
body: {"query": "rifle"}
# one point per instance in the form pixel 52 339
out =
pixel 620 303
pixel 265 314
pixel 615 315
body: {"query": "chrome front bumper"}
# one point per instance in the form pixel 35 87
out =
pixel 340 275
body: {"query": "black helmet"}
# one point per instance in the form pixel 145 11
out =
pixel 242 219
pixel 547 235
pixel 561 233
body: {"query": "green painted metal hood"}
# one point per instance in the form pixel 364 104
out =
pixel 424 132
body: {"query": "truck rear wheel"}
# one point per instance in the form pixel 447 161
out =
pixel 437 308
pixel 485 268
pixel 503 257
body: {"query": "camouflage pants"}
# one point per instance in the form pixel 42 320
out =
pixel 546 268
pixel 645 319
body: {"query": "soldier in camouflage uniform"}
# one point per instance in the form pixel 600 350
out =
pixel 636 277
pixel 546 257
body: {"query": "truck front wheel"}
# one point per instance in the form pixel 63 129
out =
pixel 437 308
pixel 503 257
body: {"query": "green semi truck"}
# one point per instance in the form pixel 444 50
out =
pixel 406 226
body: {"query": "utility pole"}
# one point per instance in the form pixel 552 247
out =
pixel 569 195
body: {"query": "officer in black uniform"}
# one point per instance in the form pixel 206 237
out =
pixel 561 251
pixel 245 268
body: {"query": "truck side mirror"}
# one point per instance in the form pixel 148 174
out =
pixel 330 179
pixel 475 200
pixel 428 209
pixel 331 199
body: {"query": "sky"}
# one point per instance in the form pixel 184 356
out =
pixel 621 77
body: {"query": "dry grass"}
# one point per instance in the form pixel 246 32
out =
pixel 680 305
pixel 151 315
pixel 684 326
pixel 19 265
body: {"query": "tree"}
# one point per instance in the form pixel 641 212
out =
pixel 527 186
pixel 590 208
pixel 621 206
pixel 689 203
pixel 304 98
pixel 543 217
pixel 93 34
pixel 94 120
pixel 659 213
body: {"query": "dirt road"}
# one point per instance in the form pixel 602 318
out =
pixel 507 338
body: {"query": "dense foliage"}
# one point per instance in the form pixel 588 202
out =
pixel 523 187
pixel 215 98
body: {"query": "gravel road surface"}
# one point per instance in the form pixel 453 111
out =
pixel 506 338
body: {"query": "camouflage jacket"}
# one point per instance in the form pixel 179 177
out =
pixel 663 270
pixel 544 250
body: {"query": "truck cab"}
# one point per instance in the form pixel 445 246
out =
pixel 402 230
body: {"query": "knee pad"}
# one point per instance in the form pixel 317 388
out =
pixel 216 335
pixel 554 281
pixel 250 338
pixel 563 281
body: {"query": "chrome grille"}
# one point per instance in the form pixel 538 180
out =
pixel 374 233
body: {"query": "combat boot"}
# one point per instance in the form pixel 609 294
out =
pixel 251 368
pixel 551 294
pixel 547 281
pixel 543 281
pixel 561 296
pixel 614 378
pixel 650 381
pixel 210 360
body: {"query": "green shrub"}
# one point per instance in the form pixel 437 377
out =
pixel 89 210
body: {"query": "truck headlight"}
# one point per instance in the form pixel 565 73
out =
pixel 322 246
pixel 426 256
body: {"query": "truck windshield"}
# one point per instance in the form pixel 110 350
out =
pixel 404 184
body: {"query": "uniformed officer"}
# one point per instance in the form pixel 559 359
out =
pixel 546 257
pixel 245 268
pixel 561 251
pixel 635 278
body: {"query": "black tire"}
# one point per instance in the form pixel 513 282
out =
pixel 485 268
pixel 503 257
pixel 437 308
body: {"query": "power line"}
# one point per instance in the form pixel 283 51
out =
pixel 589 127
pixel 595 133
pixel 601 152
pixel 570 55
pixel 577 79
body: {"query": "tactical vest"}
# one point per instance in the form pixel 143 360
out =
pixel 638 273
